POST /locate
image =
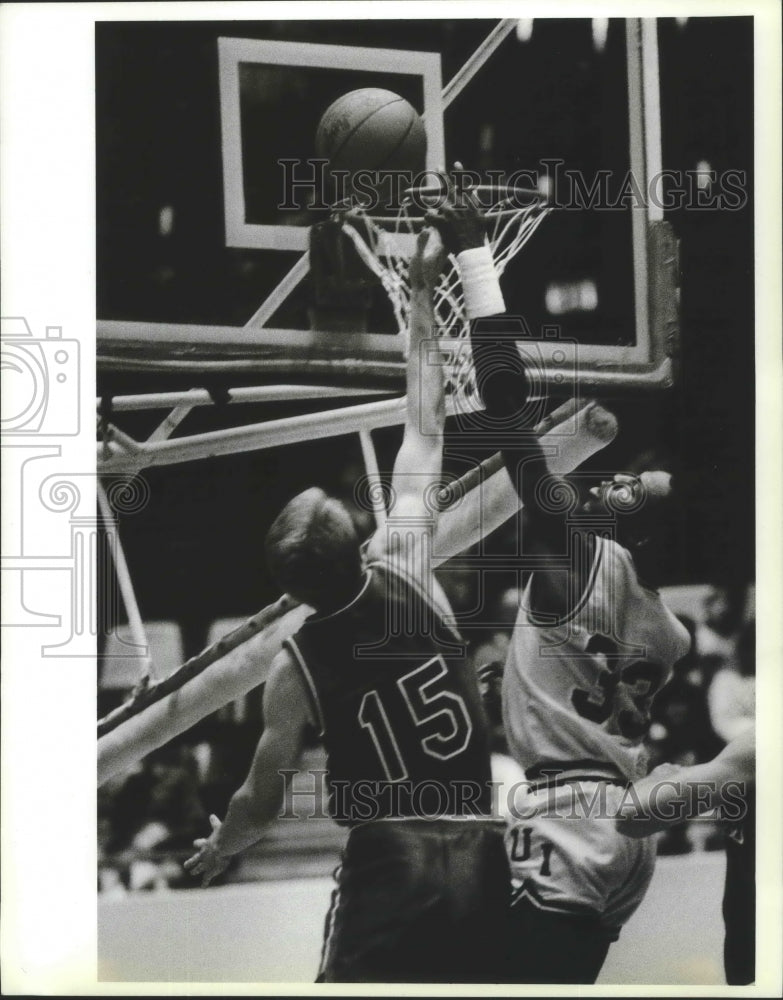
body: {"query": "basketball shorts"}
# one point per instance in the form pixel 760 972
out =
pixel 419 901
pixel 567 856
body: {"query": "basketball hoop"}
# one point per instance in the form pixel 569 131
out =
pixel 385 242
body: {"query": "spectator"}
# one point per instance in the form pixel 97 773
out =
pixel 716 635
pixel 682 732
pixel 732 694
pixel 493 646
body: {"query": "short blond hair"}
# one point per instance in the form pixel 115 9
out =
pixel 312 549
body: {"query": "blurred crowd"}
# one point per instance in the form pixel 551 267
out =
pixel 148 819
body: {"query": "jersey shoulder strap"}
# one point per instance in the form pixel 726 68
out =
pixel 421 590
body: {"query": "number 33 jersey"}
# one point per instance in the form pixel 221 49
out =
pixel 397 705
pixel 577 691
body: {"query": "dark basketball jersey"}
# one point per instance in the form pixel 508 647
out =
pixel 397 705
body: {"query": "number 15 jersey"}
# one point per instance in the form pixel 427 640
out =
pixel 577 691
pixel 397 705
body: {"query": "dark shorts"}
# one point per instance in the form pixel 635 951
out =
pixel 551 947
pixel 419 901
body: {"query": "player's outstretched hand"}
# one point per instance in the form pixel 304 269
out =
pixel 427 260
pixel 207 862
pixel 458 219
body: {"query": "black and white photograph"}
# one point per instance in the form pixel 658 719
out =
pixel 391 453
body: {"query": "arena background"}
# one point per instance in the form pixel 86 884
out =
pixel 195 551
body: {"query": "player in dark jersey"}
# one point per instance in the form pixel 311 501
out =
pixel 422 892
pixel 670 794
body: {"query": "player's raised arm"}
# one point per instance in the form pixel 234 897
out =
pixel 424 375
pixel 501 374
pixel 419 460
pixel 258 800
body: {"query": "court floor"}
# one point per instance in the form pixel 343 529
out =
pixel 271 932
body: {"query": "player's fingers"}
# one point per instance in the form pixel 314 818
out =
pixel 447 187
pixel 472 198
pixel 438 219
pixel 442 215
pixel 215 822
pixel 465 187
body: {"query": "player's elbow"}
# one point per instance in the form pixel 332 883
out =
pixel 246 802
pixel 259 806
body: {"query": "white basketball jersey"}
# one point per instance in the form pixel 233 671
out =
pixel 577 691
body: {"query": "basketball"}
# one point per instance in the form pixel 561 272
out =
pixel 372 129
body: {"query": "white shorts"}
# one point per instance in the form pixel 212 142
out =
pixel 566 854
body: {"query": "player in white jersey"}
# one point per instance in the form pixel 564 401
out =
pixel 578 686
pixel 577 692
pixel 592 645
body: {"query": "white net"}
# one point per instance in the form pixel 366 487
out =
pixel 385 243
